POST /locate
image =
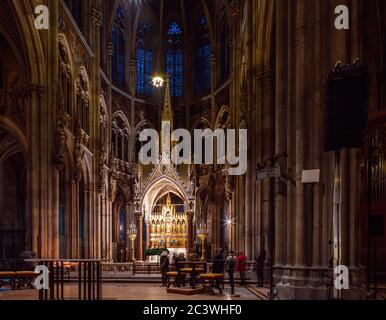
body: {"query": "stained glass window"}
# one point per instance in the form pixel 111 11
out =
pixel 114 64
pixel 144 71
pixel 202 59
pixel 118 56
pixel 174 29
pixel 175 60
pixel 202 69
pixel 144 57
pixel 148 72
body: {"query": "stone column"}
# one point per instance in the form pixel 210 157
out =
pixel 88 231
pixel 111 226
pixel 140 237
pixel 55 218
pixel 300 115
pixel 102 226
pixel 127 226
pixel 213 86
pixel 280 128
pixel 148 231
pixel 72 224
pixel 132 103
pixel 291 102
pixel 190 231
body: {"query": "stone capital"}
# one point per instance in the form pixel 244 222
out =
pixel 235 7
pixel 96 17
pixel 110 49
pixel 213 60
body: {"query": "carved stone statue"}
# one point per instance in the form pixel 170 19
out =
pixel 103 129
pixel 102 171
pixel 60 144
pixel 137 188
pixel 112 187
pixel 192 187
pixel 79 156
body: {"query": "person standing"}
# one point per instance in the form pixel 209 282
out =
pixel 219 266
pixel 231 263
pixel 241 266
pixel 164 263
pixel 260 261
pixel 219 262
pixel 179 265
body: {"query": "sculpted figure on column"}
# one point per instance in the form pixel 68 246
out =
pixel 60 144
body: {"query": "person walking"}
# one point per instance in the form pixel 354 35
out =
pixel 164 263
pixel 241 266
pixel 260 261
pixel 231 263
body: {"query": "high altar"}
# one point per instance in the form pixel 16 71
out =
pixel 168 226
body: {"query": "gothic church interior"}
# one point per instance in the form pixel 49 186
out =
pixel 74 99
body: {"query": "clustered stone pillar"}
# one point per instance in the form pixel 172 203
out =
pixel 283 106
pixel 190 231
pixel 127 227
pixel 140 236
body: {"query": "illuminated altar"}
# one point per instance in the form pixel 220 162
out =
pixel 168 226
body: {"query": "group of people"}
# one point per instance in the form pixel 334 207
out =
pixel 165 263
pixel 229 263
pixel 237 263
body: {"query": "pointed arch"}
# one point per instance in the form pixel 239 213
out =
pixel 223 118
pixel 31 42
pixel 121 115
pixel 121 136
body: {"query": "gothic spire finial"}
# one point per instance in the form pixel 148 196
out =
pixel 167 112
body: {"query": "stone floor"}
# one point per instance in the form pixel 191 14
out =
pixel 138 291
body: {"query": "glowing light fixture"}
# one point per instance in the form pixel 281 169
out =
pixel 228 222
pixel 158 82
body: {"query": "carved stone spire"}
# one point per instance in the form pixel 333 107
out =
pixel 166 121
pixel 167 112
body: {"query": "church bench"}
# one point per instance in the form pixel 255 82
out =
pixel 211 281
pixel 178 277
pixel 7 278
pixel 25 278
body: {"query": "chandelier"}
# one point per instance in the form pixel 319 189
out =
pixel 158 82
